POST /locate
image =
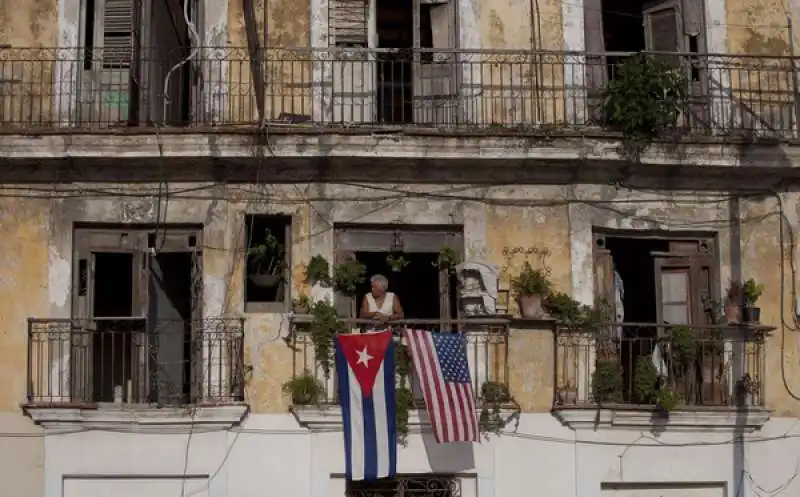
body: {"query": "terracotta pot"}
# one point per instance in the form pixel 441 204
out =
pixel 530 306
pixel 733 313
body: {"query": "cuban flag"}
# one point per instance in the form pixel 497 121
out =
pixel 365 367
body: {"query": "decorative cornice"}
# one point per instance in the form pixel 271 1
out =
pixel 724 420
pixel 140 418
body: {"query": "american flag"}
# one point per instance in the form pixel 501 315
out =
pixel 440 361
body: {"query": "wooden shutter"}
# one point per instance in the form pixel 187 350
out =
pixel 662 25
pixel 117 35
pixel 348 24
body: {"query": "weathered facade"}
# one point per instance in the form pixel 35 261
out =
pixel 137 163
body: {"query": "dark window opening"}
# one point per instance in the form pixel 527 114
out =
pixel 395 27
pixel 268 242
pixel 417 284
pixel 622 30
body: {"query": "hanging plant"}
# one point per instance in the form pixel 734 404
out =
pixel 397 263
pixel 404 397
pixel 494 396
pixel 325 323
pixel 447 259
pixel 319 271
pixel 668 399
pixel 348 275
pixel 646 96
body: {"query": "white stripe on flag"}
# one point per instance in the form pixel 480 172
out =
pixel 381 423
pixel 356 427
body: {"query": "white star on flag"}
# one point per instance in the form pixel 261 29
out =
pixel 364 357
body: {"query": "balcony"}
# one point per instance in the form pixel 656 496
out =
pixel 487 354
pixel 640 372
pixel 485 92
pixel 129 362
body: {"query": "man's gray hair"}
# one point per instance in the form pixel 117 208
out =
pixel 380 280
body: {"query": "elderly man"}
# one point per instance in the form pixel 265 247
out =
pixel 380 304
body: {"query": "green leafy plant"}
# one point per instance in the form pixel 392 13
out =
pixel 404 397
pixel 607 382
pixel 319 271
pixel 325 323
pixel 571 314
pixel 494 396
pixel 404 402
pixel 645 381
pixel 447 259
pixel 348 275
pixel 668 398
pixel 530 282
pixel 645 96
pixel 685 348
pixel 301 304
pixel 304 389
pixel 397 263
pixel 752 292
pixel 267 257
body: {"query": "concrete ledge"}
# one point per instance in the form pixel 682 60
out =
pixel 330 417
pixel 288 144
pixel 169 419
pixel 716 420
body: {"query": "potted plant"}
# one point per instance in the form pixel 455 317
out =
pixel 318 271
pixel 304 389
pixel 667 399
pixel 494 396
pixel 397 263
pixel 348 275
pixel 568 394
pixel 267 261
pixel 530 287
pixel 752 292
pixel 733 302
pixel 447 259
pixel 301 304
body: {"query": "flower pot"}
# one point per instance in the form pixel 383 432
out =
pixel 530 306
pixel 751 314
pixel 302 399
pixel 301 309
pixel 264 280
pixel 732 313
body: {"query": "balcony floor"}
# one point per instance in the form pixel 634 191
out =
pixel 417 155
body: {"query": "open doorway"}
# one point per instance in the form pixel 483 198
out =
pixel 416 284
pixel 127 79
pixel 170 320
pixel 395 28
pixel 137 343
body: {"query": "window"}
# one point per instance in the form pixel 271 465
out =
pixel 268 242
pixel 348 24
pixel 109 33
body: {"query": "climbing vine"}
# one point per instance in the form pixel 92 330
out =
pixel 404 397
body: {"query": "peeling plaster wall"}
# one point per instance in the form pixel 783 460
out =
pixel 491 229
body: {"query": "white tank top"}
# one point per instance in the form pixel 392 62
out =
pixel 387 307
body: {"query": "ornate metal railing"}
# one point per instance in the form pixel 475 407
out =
pixel 486 343
pixel 406 485
pixel 649 364
pixel 136 361
pixel 489 91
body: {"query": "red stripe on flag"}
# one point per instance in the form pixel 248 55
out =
pixel 450 405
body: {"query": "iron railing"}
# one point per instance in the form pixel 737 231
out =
pixel 406 485
pixel 135 361
pixel 486 343
pixel 488 91
pixel 642 363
